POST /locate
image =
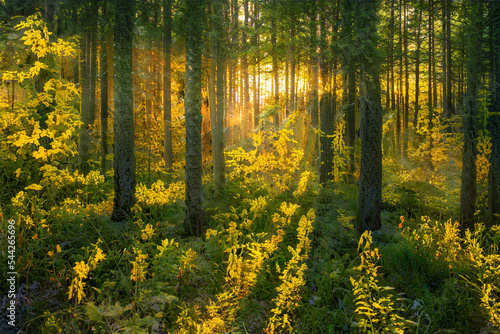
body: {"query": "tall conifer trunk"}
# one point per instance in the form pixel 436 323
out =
pixel 167 86
pixel 275 70
pixel 104 90
pixel 327 111
pixel 246 79
pixel 494 176
pixel 192 107
pixel 370 181
pixel 124 163
pixel 407 84
pixel 84 135
pixel 349 94
pixel 417 72
pixel 217 98
pixel 468 190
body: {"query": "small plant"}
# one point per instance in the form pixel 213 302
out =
pixel 82 270
pixel 292 279
pixel 375 305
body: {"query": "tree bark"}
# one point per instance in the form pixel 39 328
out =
pixel 275 71
pixel 313 105
pixel 246 79
pixel 104 90
pixel 407 83
pixel 349 94
pixel 400 87
pixel 256 85
pixel 292 69
pixel 370 182
pixel 449 96
pixel 417 72
pixel 167 85
pixel 124 163
pixel 192 107
pixel 313 58
pixel 93 63
pixel 84 135
pixel 494 175
pixel 327 111
pixel 468 190
pixel 430 104
pixel 444 60
pixel 217 101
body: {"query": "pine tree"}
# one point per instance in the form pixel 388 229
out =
pixel 124 163
pixel 167 90
pixel 468 190
pixel 192 107
pixel 494 175
pixel 217 98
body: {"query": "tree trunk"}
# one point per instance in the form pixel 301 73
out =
pixel 103 61
pixel 84 136
pixel 287 77
pixel 246 79
pixel 124 162
pixel 349 97
pixel 275 71
pixel 313 138
pixel 192 107
pixel 468 190
pixel 407 84
pixel 292 69
pixel 391 56
pixel 430 104
pixel 327 110
pixel 417 72
pixel 217 108
pixel 400 87
pixel 444 59
pixel 449 96
pixel 167 88
pixel 370 182
pixel 93 63
pixel 256 85
pixel 494 176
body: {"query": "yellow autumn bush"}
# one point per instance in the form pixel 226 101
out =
pixel 45 125
pixel 274 161
pixel 158 194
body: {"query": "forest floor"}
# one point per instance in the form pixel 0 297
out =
pixel 280 254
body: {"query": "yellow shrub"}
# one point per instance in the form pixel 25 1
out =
pixel 375 309
pixel 292 279
pixel 483 157
pixel 273 161
pixel 159 195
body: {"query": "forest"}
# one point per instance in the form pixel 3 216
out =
pixel 250 166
